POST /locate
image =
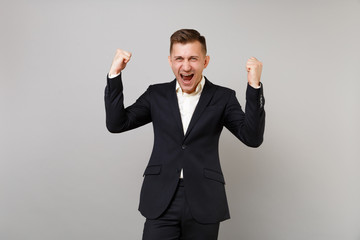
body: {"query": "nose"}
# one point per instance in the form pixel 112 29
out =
pixel 186 66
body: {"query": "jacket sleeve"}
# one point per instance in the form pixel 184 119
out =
pixel 121 119
pixel 249 126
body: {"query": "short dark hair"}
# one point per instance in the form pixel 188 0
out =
pixel 186 36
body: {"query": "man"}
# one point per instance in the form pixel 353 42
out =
pixel 183 194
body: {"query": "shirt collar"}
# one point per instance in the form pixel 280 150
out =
pixel 198 89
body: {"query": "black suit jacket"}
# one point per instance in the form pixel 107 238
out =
pixel 196 152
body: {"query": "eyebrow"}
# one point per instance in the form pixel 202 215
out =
pixel 183 57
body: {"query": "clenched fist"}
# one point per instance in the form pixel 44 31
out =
pixel 119 62
pixel 254 68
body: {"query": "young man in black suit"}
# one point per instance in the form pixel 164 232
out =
pixel 183 194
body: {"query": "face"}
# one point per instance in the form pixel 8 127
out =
pixel 188 61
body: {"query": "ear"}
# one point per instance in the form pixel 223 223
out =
pixel 170 62
pixel 207 60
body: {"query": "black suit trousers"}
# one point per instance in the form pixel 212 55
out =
pixel 177 223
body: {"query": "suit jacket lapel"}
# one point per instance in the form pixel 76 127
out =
pixel 205 97
pixel 174 105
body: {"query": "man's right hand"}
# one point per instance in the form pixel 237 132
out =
pixel 120 60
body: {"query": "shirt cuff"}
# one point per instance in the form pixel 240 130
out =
pixel 113 75
pixel 256 87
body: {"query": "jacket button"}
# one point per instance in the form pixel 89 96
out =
pixel 183 147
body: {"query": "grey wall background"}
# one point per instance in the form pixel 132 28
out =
pixel 63 176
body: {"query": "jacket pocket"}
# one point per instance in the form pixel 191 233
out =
pixel 214 175
pixel 152 170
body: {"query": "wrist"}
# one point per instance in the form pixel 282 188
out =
pixel 255 85
pixel 114 72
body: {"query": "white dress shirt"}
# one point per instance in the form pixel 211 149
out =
pixel 187 104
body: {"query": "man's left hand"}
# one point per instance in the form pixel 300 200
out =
pixel 254 68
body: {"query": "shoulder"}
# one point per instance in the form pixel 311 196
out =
pixel 161 89
pixel 219 89
pixel 162 86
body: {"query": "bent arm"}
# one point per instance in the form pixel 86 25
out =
pixel 121 119
pixel 249 126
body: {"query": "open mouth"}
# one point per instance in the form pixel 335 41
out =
pixel 187 77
